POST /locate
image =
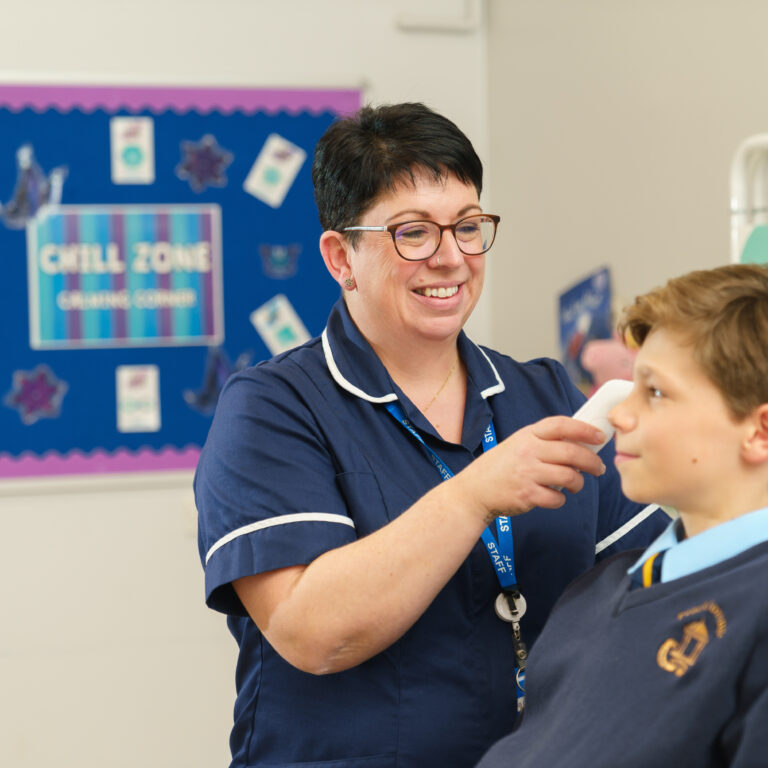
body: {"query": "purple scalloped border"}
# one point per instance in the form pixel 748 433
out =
pixel 159 98
pixel 155 98
pixel 98 462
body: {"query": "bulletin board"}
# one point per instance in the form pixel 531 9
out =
pixel 154 241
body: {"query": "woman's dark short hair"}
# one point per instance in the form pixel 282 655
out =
pixel 371 152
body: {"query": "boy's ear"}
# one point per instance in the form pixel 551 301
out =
pixel 755 447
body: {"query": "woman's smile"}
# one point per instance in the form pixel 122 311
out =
pixel 439 292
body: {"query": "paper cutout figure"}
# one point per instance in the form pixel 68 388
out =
pixel 217 370
pixel 33 189
pixel 132 150
pixel 275 170
pixel 279 325
pixel 36 394
pixel 280 261
pixel 138 398
pixel 204 163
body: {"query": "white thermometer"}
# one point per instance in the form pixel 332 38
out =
pixel 595 410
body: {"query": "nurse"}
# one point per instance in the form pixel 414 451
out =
pixel 377 513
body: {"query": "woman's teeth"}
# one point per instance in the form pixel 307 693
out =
pixel 440 293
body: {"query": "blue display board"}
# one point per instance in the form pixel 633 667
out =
pixel 153 241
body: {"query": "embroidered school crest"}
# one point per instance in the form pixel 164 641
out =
pixel 678 656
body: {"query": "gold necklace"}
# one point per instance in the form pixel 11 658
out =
pixel 442 386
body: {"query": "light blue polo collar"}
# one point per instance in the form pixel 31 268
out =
pixel 708 548
pixel 356 368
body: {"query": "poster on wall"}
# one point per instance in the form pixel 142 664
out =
pixel 154 241
pixel 585 316
pixel 125 275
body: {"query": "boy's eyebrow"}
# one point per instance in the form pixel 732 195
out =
pixel 644 371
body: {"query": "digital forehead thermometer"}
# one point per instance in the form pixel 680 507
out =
pixel 595 410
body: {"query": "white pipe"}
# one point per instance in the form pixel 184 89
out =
pixel 749 189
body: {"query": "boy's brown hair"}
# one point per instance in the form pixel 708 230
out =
pixel 723 314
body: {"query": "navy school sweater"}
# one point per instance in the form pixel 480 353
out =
pixel 672 675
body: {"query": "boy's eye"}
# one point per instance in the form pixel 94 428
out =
pixel 655 393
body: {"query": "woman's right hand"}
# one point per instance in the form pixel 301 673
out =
pixel 528 468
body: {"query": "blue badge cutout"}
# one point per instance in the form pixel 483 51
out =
pixel 280 261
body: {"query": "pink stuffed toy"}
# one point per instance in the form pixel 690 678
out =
pixel 608 359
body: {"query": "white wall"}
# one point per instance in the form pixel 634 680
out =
pixel 108 656
pixel 607 127
pixel 613 124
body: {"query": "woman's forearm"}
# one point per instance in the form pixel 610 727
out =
pixel 354 601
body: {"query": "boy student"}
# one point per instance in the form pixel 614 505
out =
pixel 660 658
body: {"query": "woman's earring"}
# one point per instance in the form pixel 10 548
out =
pixel 349 284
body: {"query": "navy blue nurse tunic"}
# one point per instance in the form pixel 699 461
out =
pixel 302 457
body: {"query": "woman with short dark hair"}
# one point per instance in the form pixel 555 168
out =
pixel 361 497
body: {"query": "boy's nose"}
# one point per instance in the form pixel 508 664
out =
pixel 620 416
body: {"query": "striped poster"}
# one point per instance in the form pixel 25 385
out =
pixel 125 276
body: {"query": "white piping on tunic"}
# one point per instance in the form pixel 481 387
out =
pixel 298 517
pixel 626 528
pixel 348 385
pixel 496 388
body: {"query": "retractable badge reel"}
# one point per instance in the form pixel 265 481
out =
pixel 510 607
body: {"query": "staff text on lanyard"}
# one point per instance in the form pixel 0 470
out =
pixel 510 605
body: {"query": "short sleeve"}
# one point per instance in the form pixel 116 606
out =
pixel 621 524
pixel 265 485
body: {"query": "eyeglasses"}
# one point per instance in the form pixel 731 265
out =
pixel 418 240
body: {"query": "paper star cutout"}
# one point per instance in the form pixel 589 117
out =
pixel 36 394
pixel 204 163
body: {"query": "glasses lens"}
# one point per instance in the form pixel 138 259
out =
pixel 417 240
pixel 475 234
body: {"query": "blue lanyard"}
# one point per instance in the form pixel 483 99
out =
pixel 501 552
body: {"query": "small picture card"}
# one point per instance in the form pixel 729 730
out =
pixel 278 325
pixel 132 150
pixel 138 398
pixel 274 171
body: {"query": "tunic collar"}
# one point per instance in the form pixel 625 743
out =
pixel 356 368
